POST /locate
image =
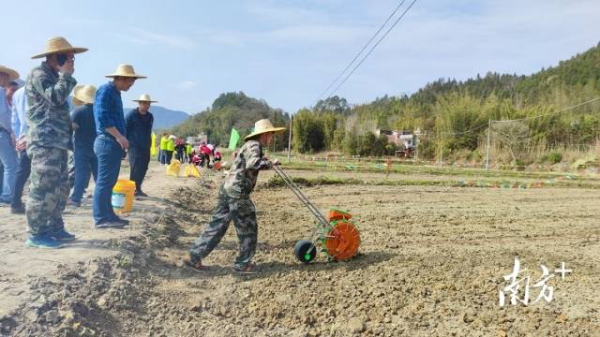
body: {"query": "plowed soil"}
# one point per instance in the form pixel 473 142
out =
pixel 431 263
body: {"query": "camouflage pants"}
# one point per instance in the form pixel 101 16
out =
pixel 48 190
pixel 243 214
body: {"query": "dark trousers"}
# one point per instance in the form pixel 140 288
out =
pixel 138 166
pixel 159 158
pixel 169 157
pixel 181 156
pixel 204 158
pixel 109 155
pixel 23 172
pixel 163 157
pixel 86 165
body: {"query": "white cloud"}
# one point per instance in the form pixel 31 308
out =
pixel 276 13
pixel 145 37
pixel 187 84
pixel 84 21
pixel 316 33
pixel 225 37
pixel 471 37
pixel 293 35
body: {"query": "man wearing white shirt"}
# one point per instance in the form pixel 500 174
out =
pixel 19 124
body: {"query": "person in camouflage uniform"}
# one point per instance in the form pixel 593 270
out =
pixel 234 201
pixel 49 137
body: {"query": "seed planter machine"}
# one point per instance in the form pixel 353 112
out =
pixel 337 236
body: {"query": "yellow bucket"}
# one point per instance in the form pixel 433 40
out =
pixel 122 196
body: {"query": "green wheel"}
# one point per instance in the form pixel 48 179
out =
pixel 305 251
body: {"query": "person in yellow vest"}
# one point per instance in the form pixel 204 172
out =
pixel 153 145
pixel 164 140
pixel 188 151
pixel 170 149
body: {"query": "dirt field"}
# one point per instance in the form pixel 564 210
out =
pixel 431 263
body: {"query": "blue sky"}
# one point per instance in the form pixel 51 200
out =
pixel 287 52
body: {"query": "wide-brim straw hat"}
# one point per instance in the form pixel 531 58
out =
pixel 264 126
pixel 12 74
pixel 125 70
pixel 145 98
pixel 83 94
pixel 59 45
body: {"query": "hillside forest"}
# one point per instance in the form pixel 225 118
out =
pixel 532 118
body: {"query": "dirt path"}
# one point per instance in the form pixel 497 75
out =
pixel 432 263
pixel 21 267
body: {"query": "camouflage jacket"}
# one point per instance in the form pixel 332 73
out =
pixel 241 179
pixel 48 113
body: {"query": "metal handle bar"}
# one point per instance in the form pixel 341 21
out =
pixel 311 207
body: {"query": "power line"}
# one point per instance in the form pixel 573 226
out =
pixel 373 48
pixel 465 132
pixel 361 51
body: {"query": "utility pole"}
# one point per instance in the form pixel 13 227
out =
pixel 487 147
pixel 290 140
pixel 417 134
pixel 440 143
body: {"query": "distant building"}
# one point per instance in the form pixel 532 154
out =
pixel 403 139
pixel 198 139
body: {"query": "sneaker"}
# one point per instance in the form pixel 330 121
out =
pixel 42 241
pixel 109 224
pixel 140 194
pixel 197 265
pixel 246 269
pixel 63 236
pixel 125 222
pixel 73 203
pixel 17 209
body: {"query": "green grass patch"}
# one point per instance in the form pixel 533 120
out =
pixel 369 167
pixel 276 181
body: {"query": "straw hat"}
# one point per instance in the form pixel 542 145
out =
pixel 83 94
pixel 264 126
pixel 12 74
pixel 125 70
pixel 145 98
pixel 57 45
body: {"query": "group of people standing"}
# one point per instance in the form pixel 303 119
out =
pixel 37 132
pixel 183 151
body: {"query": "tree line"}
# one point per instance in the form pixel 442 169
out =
pixel 452 115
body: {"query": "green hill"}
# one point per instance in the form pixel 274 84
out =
pixel 165 118
pixel 453 115
pixel 232 110
pixel 575 78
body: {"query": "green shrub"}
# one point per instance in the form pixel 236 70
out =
pixel 552 158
